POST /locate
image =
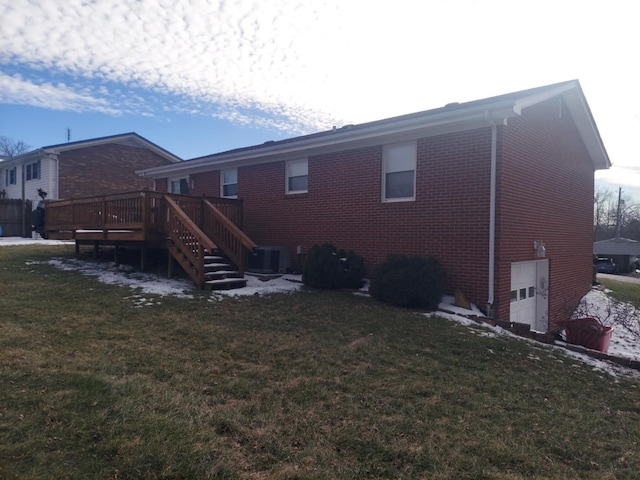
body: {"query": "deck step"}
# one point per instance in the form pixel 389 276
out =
pixel 216 265
pixel 226 283
pixel 223 273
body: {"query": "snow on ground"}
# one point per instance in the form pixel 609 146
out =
pixel 12 241
pixel 624 343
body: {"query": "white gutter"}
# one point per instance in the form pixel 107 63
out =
pixel 345 137
pixel 492 215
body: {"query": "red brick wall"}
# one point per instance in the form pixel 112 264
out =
pixel 105 169
pixel 545 192
pixel 343 206
pixel 207 183
pixel 162 185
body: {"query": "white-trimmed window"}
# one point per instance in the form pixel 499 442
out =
pixel 179 185
pixel 10 176
pixel 32 171
pixel 399 172
pixel 229 183
pixel 297 177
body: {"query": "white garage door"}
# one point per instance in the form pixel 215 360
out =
pixel 529 288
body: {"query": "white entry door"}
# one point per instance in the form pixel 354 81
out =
pixel 529 294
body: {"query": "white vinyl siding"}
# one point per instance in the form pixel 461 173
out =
pixel 33 171
pixel 10 176
pixel 399 172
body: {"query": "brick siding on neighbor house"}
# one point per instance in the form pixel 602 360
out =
pixel 545 192
pixel 102 169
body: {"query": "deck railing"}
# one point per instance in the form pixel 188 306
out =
pixel 138 210
pixel 130 210
pixel 189 239
pixel 234 243
pixel 142 214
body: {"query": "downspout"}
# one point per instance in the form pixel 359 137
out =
pixel 492 215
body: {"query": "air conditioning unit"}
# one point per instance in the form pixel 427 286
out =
pixel 265 259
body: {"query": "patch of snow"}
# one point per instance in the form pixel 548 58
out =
pixel 259 286
pixel 624 343
pixel 111 274
pixel 12 241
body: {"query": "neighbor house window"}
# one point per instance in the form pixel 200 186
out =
pixel 399 172
pixel 297 176
pixel 179 185
pixel 33 171
pixel 10 176
pixel 229 181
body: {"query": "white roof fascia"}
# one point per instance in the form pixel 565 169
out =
pixel 581 114
pixel 343 139
pixel 24 158
pixel 114 139
pixel 586 125
pixel 547 94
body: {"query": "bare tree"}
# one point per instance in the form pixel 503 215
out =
pixel 613 215
pixel 602 202
pixel 10 148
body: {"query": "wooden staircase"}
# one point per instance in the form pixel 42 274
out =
pixel 220 273
pixel 206 261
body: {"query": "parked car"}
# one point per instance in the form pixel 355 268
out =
pixel 605 265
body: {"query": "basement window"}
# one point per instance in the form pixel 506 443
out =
pixel 399 172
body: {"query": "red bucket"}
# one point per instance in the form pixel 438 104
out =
pixel 588 332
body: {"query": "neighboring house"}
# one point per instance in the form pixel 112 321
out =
pixel 85 168
pixel 623 252
pixel 499 190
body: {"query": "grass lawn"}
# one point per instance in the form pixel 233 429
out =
pixel 313 385
pixel 623 291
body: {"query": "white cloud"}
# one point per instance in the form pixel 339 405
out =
pixel 15 90
pixel 310 65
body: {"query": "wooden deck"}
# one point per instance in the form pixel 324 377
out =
pixel 190 228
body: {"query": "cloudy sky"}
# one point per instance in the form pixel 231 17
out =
pixel 203 76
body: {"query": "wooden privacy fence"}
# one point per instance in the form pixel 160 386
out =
pixel 15 220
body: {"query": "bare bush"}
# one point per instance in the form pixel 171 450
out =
pixel 610 312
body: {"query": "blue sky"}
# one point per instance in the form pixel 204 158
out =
pixel 203 76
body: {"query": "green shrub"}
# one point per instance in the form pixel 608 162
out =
pixel 416 282
pixel 329 268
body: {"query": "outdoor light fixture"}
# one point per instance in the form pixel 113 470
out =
pixel 538 246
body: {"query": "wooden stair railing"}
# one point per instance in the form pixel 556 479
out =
pixel 229 238
pixel 189 243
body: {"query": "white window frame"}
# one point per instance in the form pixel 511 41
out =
pixel 9 173
pixel 296 167
pixel 177 179
pixel 224 183
pixel 32 168
pixel 396 158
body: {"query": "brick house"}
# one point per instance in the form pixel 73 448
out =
pixel 500 190
pixel 84 168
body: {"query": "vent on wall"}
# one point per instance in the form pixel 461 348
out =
pixel 266 259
